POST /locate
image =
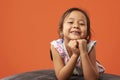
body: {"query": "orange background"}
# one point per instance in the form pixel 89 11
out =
pixel 28 26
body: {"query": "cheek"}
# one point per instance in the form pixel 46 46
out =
pixel 66 28
pixel 84 31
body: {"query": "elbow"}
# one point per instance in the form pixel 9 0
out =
pixel 62 77
pixel 96 77
pixel 93 77
pixel 58 76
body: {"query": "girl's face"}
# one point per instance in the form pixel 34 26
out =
pixel 75 26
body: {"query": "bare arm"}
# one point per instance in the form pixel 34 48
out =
pixel 90 71
pixel 63 72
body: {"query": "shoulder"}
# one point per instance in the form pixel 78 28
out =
pixel 92 42
pixel 91 45
pixel 58 46
pixel 91 50
pixel 55 54
pixel 57 42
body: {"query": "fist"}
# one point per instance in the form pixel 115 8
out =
pixel 73 45
pixel 82 45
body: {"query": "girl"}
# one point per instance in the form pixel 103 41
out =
pixel 74 53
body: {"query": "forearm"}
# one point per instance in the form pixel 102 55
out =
pixel 89 70
pixel 67 70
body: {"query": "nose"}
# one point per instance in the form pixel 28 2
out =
pixel 75 25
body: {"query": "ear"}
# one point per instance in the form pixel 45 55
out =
pixel 61 34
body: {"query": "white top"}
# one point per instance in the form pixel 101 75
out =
pixel 60 47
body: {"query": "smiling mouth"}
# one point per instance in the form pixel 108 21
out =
pixel 75 32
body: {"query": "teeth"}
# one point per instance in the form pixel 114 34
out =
pixel 75 32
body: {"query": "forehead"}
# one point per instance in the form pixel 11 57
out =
pixel 76 15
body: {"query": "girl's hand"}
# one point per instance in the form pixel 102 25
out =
pixel 73 45
pixel 82 45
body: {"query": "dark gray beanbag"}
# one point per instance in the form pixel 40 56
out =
pixel 50 75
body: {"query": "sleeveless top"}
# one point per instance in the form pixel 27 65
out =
pixel 62 51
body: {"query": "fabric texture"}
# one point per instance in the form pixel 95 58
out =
pixel 60 47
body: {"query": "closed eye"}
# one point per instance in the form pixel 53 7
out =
pixel 82 24
pixel 70 22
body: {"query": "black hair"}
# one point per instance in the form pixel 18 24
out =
pixel 67 13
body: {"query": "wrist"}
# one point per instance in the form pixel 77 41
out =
pixel 83 54
pixel 75 55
